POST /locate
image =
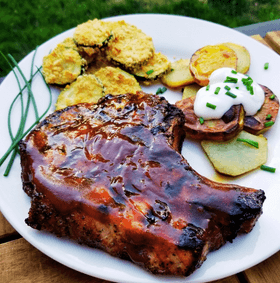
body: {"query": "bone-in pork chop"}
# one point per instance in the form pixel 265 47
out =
pixel 111 176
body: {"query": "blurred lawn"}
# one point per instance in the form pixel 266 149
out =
pixel 26 24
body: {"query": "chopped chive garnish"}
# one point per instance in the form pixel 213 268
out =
pixel 201 120
pixel 207 87
pixel 268 117
pixel 268 168
pixel 217 90
pixel 227 87
pixel 251 142
pixel 149 72
pixel 268 124
pixel 272 96
pixel 231 80
pixel 266 65
pixel 212 106
pixel 161 90
pixel 231 94
pixel 237 87
pixel 233 72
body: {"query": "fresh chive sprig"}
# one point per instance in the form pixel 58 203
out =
pixel 251 142
pixel 25 108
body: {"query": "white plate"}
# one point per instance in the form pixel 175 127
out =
pixel 177 37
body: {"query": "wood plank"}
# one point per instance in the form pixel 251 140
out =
pixel 6 229
pixel 267 271
pixel 20 262
pixel 260 39
pixel 273 39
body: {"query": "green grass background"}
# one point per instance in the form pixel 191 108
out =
pixel 27 24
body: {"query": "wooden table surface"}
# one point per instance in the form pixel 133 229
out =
pixel 20 262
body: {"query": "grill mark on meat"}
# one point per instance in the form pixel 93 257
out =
pixel 111 176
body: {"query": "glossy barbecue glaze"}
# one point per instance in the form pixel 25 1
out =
pixel 111 176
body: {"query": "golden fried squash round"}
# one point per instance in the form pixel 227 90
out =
pixel 210 58
pixel 116 81
pixel 153 70
pixel 87 88
pixel 93 33
pixel 179 74
pixel 130 47
pixel 64 64
pixel 243 57
pixel 215 129
pixel 100 61
pixel 265 118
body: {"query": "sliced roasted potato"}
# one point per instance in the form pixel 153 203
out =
pixel 236 157
pixel 216 129
pixel 243 57
pixel 117 81
pixel 130 47
pixel 93 33
pixel 64 64
pixel 264 119
pixel 179 75
pixel 191 90
pixel 155 68
pixel 210 58
pixel 87 88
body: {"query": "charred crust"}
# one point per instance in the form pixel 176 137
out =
pixel 190 239
pixel 249 206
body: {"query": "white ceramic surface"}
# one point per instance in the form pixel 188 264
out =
pixel 177 37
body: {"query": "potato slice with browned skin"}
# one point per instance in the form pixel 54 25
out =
pixel 264 119
pixel 243 57
pixel 179 74
pixel 236 157
pixel 216 129
pixel 210 58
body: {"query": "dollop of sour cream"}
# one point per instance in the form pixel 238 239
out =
pixel 227 88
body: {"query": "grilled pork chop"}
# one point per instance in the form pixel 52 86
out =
pixel 111 176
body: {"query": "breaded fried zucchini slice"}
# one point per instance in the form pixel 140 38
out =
pixel 222 129
pixel 93 33
pixel 100 61
pixel 87 88
pixel 265 118
pixel 210 58
pixel 116 81
pixel 243 57
pixel 179 74
pixel 64 64
pixel 153 70
pixel 130 47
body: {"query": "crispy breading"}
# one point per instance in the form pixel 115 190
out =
pixel 93 33
pixel 87 88
pixel 156 67
pixel 117 81
pixel 64 64
pixel 130 47
pixel 100 61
